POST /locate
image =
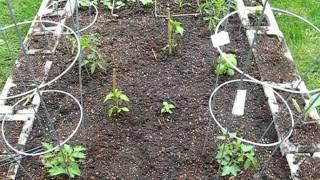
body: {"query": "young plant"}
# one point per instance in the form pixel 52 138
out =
pixel 174 29
pixel 223 67
pixel 91 57
pixel 84 4
pixel 116 97
pixel 117 5
pixel 63 160
pixel 213 11
pixel 312 104
pixel 233 155
pixel 167 107
pixel 181 3
pixel 257 14
pixel 146 2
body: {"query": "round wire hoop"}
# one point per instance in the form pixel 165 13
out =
pixel 242 139
pixel 57 77
pixel 266 83
pixel 77 31
pixel 57 146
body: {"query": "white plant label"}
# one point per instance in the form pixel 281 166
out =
pixel 239 103
pixel 220 39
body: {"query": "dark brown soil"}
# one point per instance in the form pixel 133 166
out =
pixel 272 63
pixel 189 7
pixel 145 144
pixel 304 133
pixel 252 2
pixel 23 74
pixel 254 21
pixel 310 168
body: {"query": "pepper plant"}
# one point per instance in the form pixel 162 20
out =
pixel 223 67
pixel 92 58
pixel 213 11
pixel 117 98
pixel 174 29
pixel 63 160
pixel 167 107
pixel 234 156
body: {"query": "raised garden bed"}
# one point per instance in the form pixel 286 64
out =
pixel 144 143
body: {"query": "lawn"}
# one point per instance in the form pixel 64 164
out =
pixel 23 10
pixel 302 40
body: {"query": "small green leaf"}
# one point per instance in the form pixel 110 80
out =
pixel 247 164
pixel 180 30
pixel 125 109
pixel 79 148
pixel 67 149
pixel 146 2
pixel 124 97
pixel 79 155
pixel 230 72
pixel 221 137
pixel 74 170
pixel 54 171
pixel 92 68
pixel 313 102
pixel 171 106
pixel 108 97
pixel 246 148
pixel 110 111
pixel 296 105
pixel 47 145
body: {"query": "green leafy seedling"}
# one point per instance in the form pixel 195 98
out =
pixel 116 97
pixel 63 160
pixel 84 4
pixel 91 58
pixel 167 107
pixel 118 4
pixel 233 155
pixel 175 28
pixel 146 2
pixel 296 105
pixel 312 104
pixel 223 68
pixel 213 11
pixel 181 3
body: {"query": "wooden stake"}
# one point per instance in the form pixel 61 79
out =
pixel 114 79
pixel 169 31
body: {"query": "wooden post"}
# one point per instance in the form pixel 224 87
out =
pixel 169 31
pixel 114 79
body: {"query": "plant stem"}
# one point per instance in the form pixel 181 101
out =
pixel 114 79
pixel 169 31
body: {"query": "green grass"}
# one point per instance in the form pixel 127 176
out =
pixel 23 10
pixel 302 39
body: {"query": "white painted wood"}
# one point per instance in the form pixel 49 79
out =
pixel 5 91
pixel 272 101
pixel 239 103
pixel 220 39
